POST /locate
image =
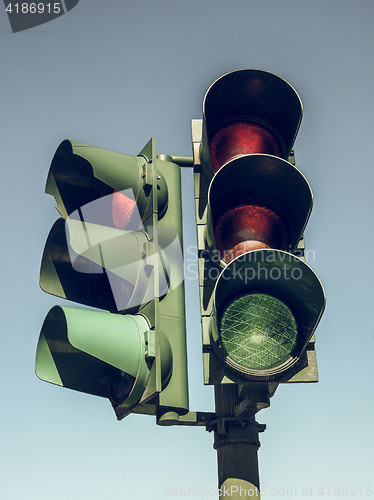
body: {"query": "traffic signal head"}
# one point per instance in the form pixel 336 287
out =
pixel 256 201
pixel 266 305
pixel 248 111
pixel 117 248
pixel 99 353
pixel 260 301
pixel 107 209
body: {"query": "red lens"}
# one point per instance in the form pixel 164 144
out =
pixel 241 138
pixel 122 209
pixel 249 227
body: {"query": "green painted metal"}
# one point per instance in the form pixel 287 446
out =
pixel 96 352
pixel 273 182
pixel 167 315
pixel 117 247
pixel 80 174
pixel 236 439
pixel 88 259
pixel 95 265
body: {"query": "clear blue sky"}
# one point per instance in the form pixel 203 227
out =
pixel 113 74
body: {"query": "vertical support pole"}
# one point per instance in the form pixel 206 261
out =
pixel 236 441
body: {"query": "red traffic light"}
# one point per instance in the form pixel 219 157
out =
pixel 260 303
pixel 241 138
pixel 249 227
pixel 245 112
pixel 255 202
pixel 122 209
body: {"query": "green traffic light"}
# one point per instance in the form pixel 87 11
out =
pixel 252 208
pixel 258 331
pixel 266 305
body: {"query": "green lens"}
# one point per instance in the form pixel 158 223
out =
pixel 258 331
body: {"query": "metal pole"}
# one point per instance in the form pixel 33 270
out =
pixel 236 441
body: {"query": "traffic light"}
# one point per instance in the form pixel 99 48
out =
pixel 117 248
pixel 260 300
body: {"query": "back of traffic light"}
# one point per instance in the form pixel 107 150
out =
pixel 116 248
pixel 260 301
